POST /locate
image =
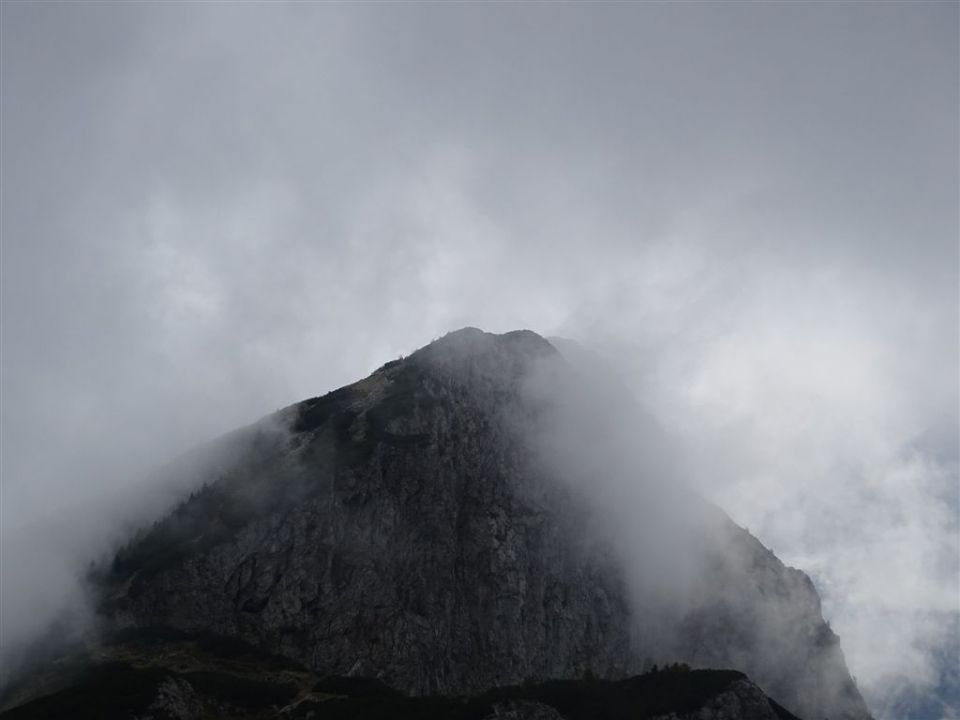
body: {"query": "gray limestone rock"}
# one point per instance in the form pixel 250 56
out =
pixel 176 700
pixel 741 701
pixel 403 528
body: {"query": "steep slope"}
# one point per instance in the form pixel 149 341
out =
pixel 407 527
pixel 399 529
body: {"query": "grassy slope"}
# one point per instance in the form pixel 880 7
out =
pixel 231 680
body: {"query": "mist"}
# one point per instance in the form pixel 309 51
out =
pixel 749 211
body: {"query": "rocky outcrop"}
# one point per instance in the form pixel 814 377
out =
pixel 742 700
pixel 403 527
pixel 523 710
pixel 175 700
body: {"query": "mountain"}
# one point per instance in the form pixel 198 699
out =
pixel 459 521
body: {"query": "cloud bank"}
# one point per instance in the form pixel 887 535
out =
pixel 209 212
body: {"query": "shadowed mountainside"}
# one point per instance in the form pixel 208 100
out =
pixel 407 527
pixel 165 674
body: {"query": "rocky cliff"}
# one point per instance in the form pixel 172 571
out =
pixel 405 528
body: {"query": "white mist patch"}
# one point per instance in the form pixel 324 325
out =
pixel 801 412
pixel 213 211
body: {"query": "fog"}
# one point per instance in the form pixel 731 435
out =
pixel 750 211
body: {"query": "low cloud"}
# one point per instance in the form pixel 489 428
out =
pixel 212 212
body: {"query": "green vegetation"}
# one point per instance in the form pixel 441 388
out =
pixel 226 678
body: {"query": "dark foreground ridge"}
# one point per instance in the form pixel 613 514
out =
pixel 408 528
pixel 174 676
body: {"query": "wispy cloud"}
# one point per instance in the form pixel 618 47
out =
pixel 212 211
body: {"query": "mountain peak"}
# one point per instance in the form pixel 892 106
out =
pixel 405 525
pixel 470 343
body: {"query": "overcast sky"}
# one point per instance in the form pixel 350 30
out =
pixel 210 211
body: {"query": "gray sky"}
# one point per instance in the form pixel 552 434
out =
pixel 211 211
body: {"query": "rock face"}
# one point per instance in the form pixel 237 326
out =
pixel 403 528
pixel 175 698
pixel 764 618
pixel 403 534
